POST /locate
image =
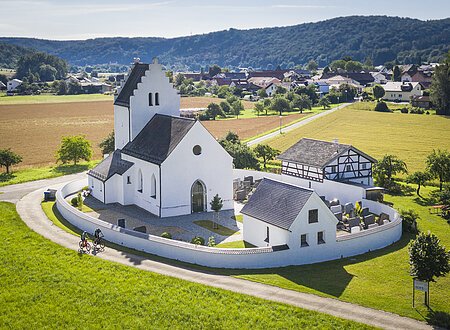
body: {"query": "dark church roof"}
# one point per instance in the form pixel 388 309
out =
pixel 158 138
pixel 113 164
pixel 134 78
pixel 276 203
pixel 316 153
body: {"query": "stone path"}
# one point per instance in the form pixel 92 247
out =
pixel 295 125
pixel 31 212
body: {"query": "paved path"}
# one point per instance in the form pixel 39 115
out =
pixel 31 212
pixel 295 125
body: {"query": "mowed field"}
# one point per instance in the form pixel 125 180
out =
pixel 202 102
pixel 410 137
pixel 34 131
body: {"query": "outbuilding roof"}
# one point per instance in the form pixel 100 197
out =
pixel 276 203
pixel 130 85
pixel 317 153
pixel 158 138
pixel 113 164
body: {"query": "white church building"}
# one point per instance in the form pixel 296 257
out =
pixel 163 163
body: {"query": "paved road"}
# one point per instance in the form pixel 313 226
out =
pixel 296 125
pixel 31 212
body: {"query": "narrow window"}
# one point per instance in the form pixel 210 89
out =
pixel 313 216
pixel 267 235
pixel 121 223
pixel 364 166
pixel 150 99
pixel 304 240
pixel 333 169
pixel 128 180
pixel 140 182
pixel 153 187
pixel 348 168
pixel 156 98
pixel 320 238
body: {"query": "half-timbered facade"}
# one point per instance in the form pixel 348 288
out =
pixel 317 160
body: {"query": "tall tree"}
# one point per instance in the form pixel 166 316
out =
pixel 440 87
pixel 213 110
pixel 9 158
pixel 438 164
pixel 387 167
pixel 378 92
pixel 280 104
pixel 266 152
pixel 418 178
pixel 324 102
pixel 225 106
pixel 216 205
pixel 396 74
pixel 107 144
pixel 301 102
pixel 213 70
pixel 312 65
pixel 236 108
pixel 259 107
pixel 74 148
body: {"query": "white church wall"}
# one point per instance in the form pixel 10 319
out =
pixel 96 187
pixel 114 189
pixel 121 126
pixel 182 168
pixel 155 82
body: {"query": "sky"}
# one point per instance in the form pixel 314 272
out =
pixel 84 19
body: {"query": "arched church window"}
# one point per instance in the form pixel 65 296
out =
pixel 140 181
pixel 156 98
pixel 153 187
pixel 150 99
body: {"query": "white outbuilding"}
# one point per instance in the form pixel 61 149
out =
pixel 163 163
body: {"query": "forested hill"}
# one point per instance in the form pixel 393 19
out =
pixel 380 38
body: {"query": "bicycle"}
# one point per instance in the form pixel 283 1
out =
pixel 98 244
pixel 84 245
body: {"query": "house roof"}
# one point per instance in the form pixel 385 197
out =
pixel 113 164
pixel 397 86
pixel 317 153
pixel 133 79
pixel 158 138
pixel 363 78
pixel 276 203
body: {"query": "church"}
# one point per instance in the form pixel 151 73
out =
pixel 163 163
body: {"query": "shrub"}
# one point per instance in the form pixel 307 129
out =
pixel 382 107
pixel 428 112
pixel 404 110
pixel 166 235
pixel 409 221
pixel 417 111
pixel 198 240
pixel 74 201
pixel 203 116
pixel 211 241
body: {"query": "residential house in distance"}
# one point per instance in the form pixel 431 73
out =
pixel 421 101
pixel 12 85
pixel 2 85
pixel 379 78
pixel 317 160
pixel 401 92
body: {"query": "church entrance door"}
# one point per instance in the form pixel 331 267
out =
pixel 198 196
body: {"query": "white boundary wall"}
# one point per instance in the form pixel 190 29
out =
pixel 265 257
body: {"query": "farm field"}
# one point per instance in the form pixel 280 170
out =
pixel 59 288
pixel 203 101
pixel 51 98
pixel 410 137
pixel 35 130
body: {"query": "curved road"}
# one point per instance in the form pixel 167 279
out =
pixel 28 196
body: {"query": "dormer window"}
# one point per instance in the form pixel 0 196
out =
pixel 150 99
pixel 156 98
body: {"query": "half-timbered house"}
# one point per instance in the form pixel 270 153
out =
pixel 317 160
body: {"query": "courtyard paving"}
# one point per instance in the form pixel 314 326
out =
pixel 180 227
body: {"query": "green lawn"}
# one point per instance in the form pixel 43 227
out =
pixel 47 286
pixel 221 230
pixel 38 173
pixel 235 245
pixel 51 98
pixel 408 136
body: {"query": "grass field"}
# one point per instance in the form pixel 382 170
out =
pixel 51 98
pixel 46 172
pixel 203 101
pixel 47 286
pixel 410 137
pixel 221 230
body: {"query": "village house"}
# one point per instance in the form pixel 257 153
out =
pixel 12 85
pixel 401 92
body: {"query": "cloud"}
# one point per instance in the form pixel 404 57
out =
pixel 301 6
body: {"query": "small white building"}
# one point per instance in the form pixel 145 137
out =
pixel 379 78
pixel 163 163
pixel 403 92
pixel 287 216
pixel 12 85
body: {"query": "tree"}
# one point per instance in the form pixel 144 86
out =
pixel 396 74
pixel 440 88
pixel 107 144
pixel 409 221
pixel 418 178
pixel 9 158
pixel 216 205
pixel 236 108
pixel 386 168
pixel 381 106
pixel 438 165
pixel 378 92
pixel 223 92
pixel 428 258
pixel 301 102
pixel 324 102
pixel 41 63
pixel 312 65
pixel 280 104
pixel 266 152
pixel 74 148
pixel 262 93
pixel 213 110
pixel 353 66
pixel 225 106
pixel 259 107
pixel 280 90
pixel 213 70
pixel 62 88
pixel 348 92
pixel 243 156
